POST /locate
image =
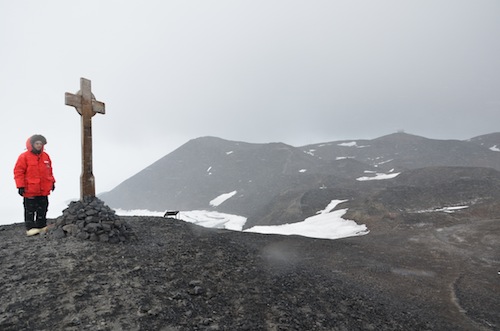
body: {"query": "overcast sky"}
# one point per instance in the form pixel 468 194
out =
pixel 289 71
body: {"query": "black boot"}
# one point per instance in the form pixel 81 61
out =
pixel 42 204
pixel 29 220
pixel 29 217
pixel 41 218
pixel 29 213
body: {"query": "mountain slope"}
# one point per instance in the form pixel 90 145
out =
pixel 205 168
pixel 275 183
pixel 404 151
pixel 490 141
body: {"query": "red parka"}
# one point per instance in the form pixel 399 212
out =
pixel 34 172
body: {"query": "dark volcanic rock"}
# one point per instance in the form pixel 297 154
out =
pixel 177 276
pixel 92 220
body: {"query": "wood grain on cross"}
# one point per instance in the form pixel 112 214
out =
pixel 87 106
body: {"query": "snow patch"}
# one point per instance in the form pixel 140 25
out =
pixel 331 206
pixel 352 144
pixel 495 148
pixel 378 176
pixel 213 219
pixel 328 224
pixel 444 209
pixel 348 144
pixel 138 212
pixel 221 198
pixel 384 162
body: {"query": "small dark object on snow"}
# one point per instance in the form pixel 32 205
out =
pixel 171 213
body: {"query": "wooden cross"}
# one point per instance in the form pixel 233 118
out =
pixel 87 106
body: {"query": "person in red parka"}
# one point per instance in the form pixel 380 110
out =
pixel 34 181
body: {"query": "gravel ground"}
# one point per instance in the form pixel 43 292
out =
pixel 178 276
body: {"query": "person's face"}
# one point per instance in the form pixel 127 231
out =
pixel 38 145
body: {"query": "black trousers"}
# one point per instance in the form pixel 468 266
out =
pixel 35 212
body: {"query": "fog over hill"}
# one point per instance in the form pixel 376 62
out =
pixel 276 183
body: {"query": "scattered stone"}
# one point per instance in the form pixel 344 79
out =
pixel 197 290
pixel 346 284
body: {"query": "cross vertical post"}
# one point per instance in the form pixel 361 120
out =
pixel 87 106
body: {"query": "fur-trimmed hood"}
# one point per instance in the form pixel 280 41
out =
pixel 31 140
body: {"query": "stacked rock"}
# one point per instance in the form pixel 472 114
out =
pixel 92 220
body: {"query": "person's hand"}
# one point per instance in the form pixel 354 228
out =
pixel 21 191
pixel 53 187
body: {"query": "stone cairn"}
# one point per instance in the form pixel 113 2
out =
pixel 92 220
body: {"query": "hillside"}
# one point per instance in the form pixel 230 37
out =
pixel 177 276
pixel 490 141
pixel 403 151
pixel 275 183
pixel 204 168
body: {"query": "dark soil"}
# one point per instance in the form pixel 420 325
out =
pixel 177 276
